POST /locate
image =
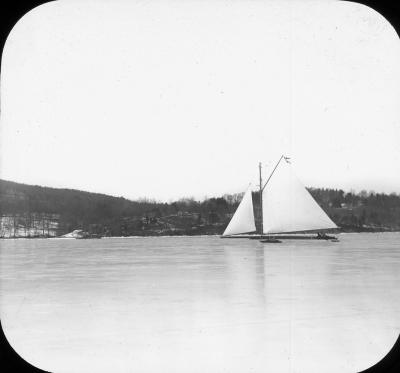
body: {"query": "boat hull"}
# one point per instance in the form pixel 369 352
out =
pixel 271 240
pixel 284 237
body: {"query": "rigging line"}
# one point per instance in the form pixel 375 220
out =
pixel 282 156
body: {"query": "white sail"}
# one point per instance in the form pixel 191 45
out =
pixel 243 219
pixel 289 207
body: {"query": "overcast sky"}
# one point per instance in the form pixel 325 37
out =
pixel 184 98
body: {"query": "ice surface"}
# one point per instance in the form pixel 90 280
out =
pixel 201 304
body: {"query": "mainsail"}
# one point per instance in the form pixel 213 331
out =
pixel 289 207
pixel 243 219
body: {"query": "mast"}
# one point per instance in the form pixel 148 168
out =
pixel 261 192
pixel 261 204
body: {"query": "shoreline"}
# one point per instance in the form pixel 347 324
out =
pixel 172 236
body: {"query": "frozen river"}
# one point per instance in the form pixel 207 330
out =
pixel 201 304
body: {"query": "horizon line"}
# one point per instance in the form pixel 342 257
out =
pixel 205 197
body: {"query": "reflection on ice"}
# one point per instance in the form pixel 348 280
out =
pixel 201 304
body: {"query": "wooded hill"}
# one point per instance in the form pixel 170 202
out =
pixel 28 210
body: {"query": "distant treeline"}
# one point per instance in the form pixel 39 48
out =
pixel 22 206
pixel 360 211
